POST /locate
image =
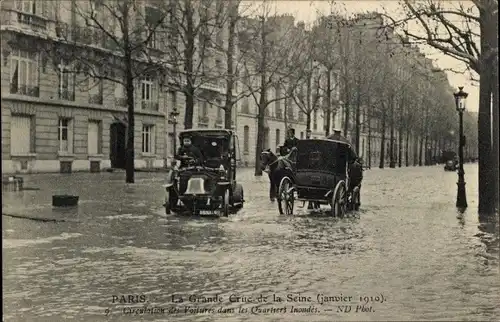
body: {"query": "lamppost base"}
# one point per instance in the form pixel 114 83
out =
pixel 461 195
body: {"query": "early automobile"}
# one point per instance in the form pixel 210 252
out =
pixel 326 172
pixel 450 160
pixel 207 186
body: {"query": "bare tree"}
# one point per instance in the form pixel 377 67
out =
pixel 265 63
pixel 108 41
pixel 468 33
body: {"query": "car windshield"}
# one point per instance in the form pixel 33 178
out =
pixel 212 145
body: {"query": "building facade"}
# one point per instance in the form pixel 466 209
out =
pixel 56 118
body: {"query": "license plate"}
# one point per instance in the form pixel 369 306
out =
pixel 209 212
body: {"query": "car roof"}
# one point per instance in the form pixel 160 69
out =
pixel 328 140
pixel 208 130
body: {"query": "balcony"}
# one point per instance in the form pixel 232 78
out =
pixel 33 91
pixel 150 106
pixel 37 22
pixel 95 99
pixel 67 95
pixel 120 102
pixel 23 19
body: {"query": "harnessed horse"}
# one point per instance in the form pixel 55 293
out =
pixel 278 168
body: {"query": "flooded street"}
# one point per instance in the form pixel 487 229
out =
pixel 406 255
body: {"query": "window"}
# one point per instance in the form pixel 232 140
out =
pixel 24 73
pixel 148 144
pixel 220 118
pixel 266 139
pixel 146 89
pixel 148 94
pixel 27 6
pixel 153 20
pixel 301 135
pixel 66 82
pixel 246 139
pixel 301 116
pixel 21 135
pixel 95 90
pixel 289 109
pixel 94 138
pixel 278 137
pixel 277 103
pixel 65 135
pixel 204 110
pixel 120 95
pixel 173 98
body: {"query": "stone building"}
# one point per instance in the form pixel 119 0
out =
pixel 280 114
pixel 57 118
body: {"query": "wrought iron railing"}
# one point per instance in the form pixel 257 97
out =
pixel 203 119
pixel 150 105
pixel 32 20
pixel 66 94
pixel 33 91
pixel 120 101
pixel 95 99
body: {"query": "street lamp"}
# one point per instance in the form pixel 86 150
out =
pixel 173 120
pixel 460 98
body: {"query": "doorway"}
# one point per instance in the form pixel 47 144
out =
pixel 117 136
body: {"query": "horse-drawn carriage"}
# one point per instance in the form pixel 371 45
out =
pixel 207 186
pixel 325 172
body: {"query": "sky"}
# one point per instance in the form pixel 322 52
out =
pixel 307 11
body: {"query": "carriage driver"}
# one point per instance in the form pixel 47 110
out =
pixel 189 150
pixel 291 141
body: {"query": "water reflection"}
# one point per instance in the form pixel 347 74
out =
pixel 489 235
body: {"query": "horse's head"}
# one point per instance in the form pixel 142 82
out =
pixel 267 157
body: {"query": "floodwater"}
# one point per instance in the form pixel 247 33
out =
pixel 406 255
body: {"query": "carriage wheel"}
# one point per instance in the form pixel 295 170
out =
pixel 285 198
pixel 225 203
pixel 339 200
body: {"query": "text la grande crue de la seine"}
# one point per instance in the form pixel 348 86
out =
pixel 320 298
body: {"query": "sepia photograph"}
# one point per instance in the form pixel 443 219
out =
pixel 237 160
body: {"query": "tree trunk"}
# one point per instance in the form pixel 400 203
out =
pixel 230 72
pixel 369 142
pixel 328 115
pixel 262 100
pixel 415 141
pixel 346 119
pixel 129 84
pixel 358 120
pixel 189 53
pixel 308 124
pixel 382 140
pixel 400 133
pixel 407 146
pixel 496 147
pixel 420 150
pixel 392 163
